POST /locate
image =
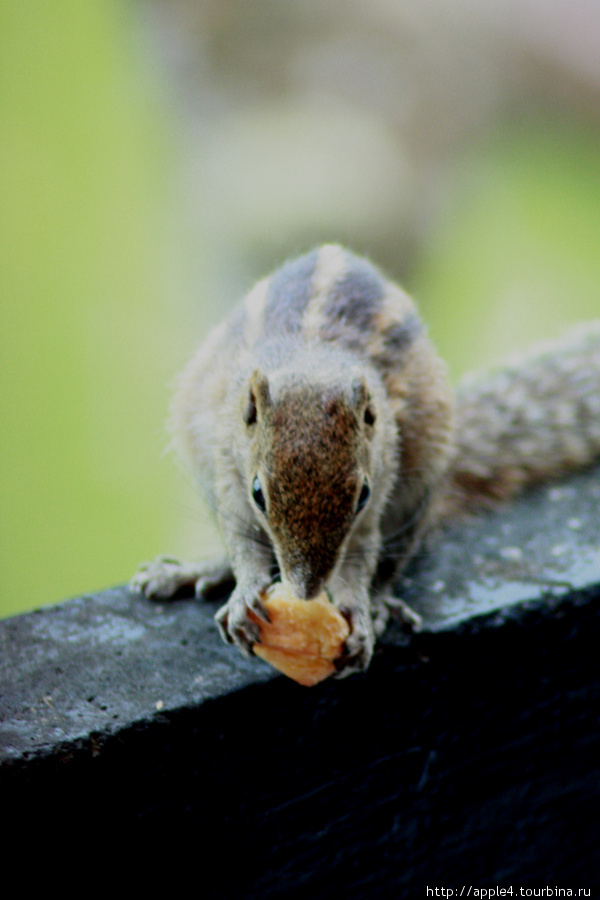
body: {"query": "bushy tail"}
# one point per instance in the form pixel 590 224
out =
pixel 532 421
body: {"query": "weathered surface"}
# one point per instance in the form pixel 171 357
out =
pixel 542 548
pixel 466 756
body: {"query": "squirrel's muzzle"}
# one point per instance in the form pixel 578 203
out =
pixel 306 585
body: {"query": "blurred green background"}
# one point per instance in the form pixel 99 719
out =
pixel 118 248
pixel 87 338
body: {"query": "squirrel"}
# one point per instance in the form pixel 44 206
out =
pixel 322 427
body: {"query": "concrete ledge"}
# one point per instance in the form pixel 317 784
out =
pixel 469 755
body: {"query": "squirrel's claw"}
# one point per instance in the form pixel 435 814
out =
pixel 358 647
pixel 235 624
pixel 408 618
pixel 163 578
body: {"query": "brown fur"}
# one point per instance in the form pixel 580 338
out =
pixel 320 423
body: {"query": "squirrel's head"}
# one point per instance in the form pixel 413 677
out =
pixel 309 479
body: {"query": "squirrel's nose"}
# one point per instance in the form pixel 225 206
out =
pixel 305 585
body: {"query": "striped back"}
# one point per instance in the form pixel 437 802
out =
pixel 334 296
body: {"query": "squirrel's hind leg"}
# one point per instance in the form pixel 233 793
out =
pixel 165 579
pixel 385 604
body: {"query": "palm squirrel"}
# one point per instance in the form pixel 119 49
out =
pixel 319 420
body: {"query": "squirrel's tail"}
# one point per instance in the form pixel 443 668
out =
pixel 534 420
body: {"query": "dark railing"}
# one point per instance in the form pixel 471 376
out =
pixel 136 745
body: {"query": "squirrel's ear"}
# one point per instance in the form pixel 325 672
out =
pixel 359 390
pixel 362 399
pixel 259 396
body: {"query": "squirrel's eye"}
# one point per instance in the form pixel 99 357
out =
pixel 364 496
pixel 258 496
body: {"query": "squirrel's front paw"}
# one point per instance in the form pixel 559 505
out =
pixel 233 619
pixel 358 645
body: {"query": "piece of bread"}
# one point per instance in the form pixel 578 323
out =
pixel 303 638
